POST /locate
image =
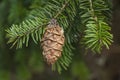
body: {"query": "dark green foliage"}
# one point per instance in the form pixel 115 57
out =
pixel 97 30
pixel 82 20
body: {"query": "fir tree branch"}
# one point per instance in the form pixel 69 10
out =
pixel 63 7
pixel 78 14
pixel 97 30
pixel 31 28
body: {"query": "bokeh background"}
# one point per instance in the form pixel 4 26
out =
pixel 27 63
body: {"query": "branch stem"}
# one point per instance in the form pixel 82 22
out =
pixel 63 7
pixel 92 10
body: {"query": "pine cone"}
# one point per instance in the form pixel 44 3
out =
pixel 52 42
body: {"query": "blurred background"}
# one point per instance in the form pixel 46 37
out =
pixel 27 63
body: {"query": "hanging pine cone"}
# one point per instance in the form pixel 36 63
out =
pixel 52 42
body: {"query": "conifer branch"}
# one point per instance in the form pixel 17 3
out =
pixel 97 30
pixel 75 17
pixel 63 7
pixel 33 25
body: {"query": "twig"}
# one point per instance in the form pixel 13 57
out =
pixel 63 7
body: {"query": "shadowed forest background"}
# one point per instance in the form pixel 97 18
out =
pixel 27 63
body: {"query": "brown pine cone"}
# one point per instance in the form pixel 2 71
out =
pixel 52 42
